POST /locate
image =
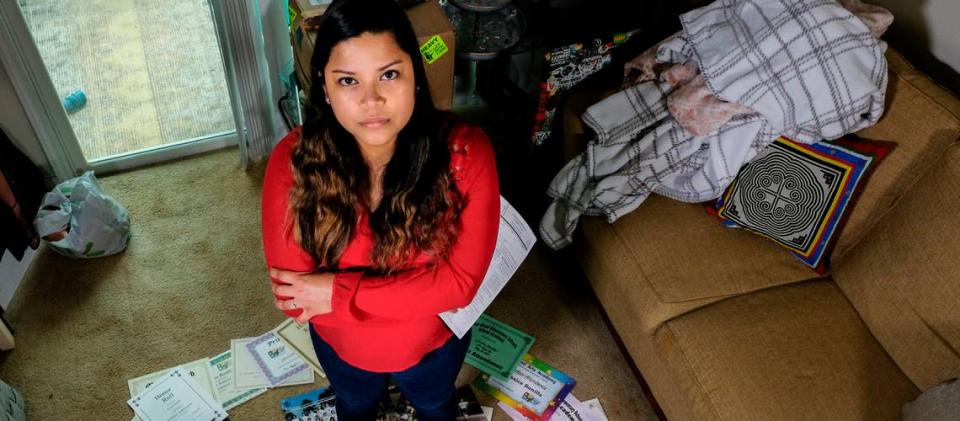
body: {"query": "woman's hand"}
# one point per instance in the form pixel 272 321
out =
pixel 309 291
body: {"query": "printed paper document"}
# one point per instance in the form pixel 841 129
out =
pixel 514 241
pixel 176 397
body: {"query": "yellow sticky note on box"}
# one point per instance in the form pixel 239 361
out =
pixel 433 49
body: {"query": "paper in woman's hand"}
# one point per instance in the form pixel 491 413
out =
pixel 515 239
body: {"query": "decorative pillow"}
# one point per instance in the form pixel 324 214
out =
pixel 797 194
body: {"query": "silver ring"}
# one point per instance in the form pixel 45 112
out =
pixel 293 304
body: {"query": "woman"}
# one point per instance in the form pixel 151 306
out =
pixel 379 216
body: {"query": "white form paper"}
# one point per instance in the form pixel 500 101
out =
pixel 598 412
pixel 248 375
pixel 515 239
pixel 176 397
pixel 222 369
pixel 512 413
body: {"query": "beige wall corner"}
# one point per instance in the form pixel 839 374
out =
pixel 926 31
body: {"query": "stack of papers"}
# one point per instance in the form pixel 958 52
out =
pixel 208 387
pixel 527 387
pixel 535 389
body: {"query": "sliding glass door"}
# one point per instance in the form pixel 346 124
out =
pixel 140 80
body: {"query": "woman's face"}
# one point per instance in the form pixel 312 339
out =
pixel 370 84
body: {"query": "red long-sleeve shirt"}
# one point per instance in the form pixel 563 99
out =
pixel 388 323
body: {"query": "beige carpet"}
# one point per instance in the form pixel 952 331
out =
pixel 151 70
pixel 193 278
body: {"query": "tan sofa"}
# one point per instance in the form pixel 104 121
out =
pixel 724 324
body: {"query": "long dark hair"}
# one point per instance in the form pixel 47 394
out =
pixel 420 207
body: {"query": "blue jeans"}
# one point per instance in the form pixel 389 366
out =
pixel 429 385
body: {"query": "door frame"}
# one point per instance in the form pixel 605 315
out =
pixel 37 93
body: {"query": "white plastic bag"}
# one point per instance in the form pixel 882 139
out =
pixel 94 224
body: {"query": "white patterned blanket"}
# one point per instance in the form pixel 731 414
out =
pixel 811 70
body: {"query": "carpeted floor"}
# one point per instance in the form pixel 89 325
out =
pixel 151 70
pixel 193 278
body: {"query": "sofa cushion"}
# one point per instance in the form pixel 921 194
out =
pixel 668 257
pixel 923 120
pixel 905 281
pixel 793 352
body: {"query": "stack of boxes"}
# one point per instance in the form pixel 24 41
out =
pixel 434 33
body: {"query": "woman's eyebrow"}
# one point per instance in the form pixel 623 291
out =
pixel 398 61
pixel 389 64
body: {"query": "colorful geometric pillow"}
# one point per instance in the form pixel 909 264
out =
pixel 797 194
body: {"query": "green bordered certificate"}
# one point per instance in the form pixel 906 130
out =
pixel 495 347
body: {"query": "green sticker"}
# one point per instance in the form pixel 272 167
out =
pixel 292 14
pixel 433 49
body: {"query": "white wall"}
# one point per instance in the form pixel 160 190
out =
pixel 927 32
pixel 14 122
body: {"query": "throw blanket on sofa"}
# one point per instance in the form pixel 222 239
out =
pixel 809 68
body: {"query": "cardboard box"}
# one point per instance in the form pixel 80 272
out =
pixel 429 21
pixel 434 33
pixel 311 8
pixel 302 42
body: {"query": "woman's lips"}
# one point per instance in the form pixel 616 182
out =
pixel 373 123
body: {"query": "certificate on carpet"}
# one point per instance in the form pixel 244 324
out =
pixel 247 374
pixel 496 348
pixel 297 338
pixel 176 397
pixel 198 369
pixel 535 389
pixel 222 368
pixel 277 362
